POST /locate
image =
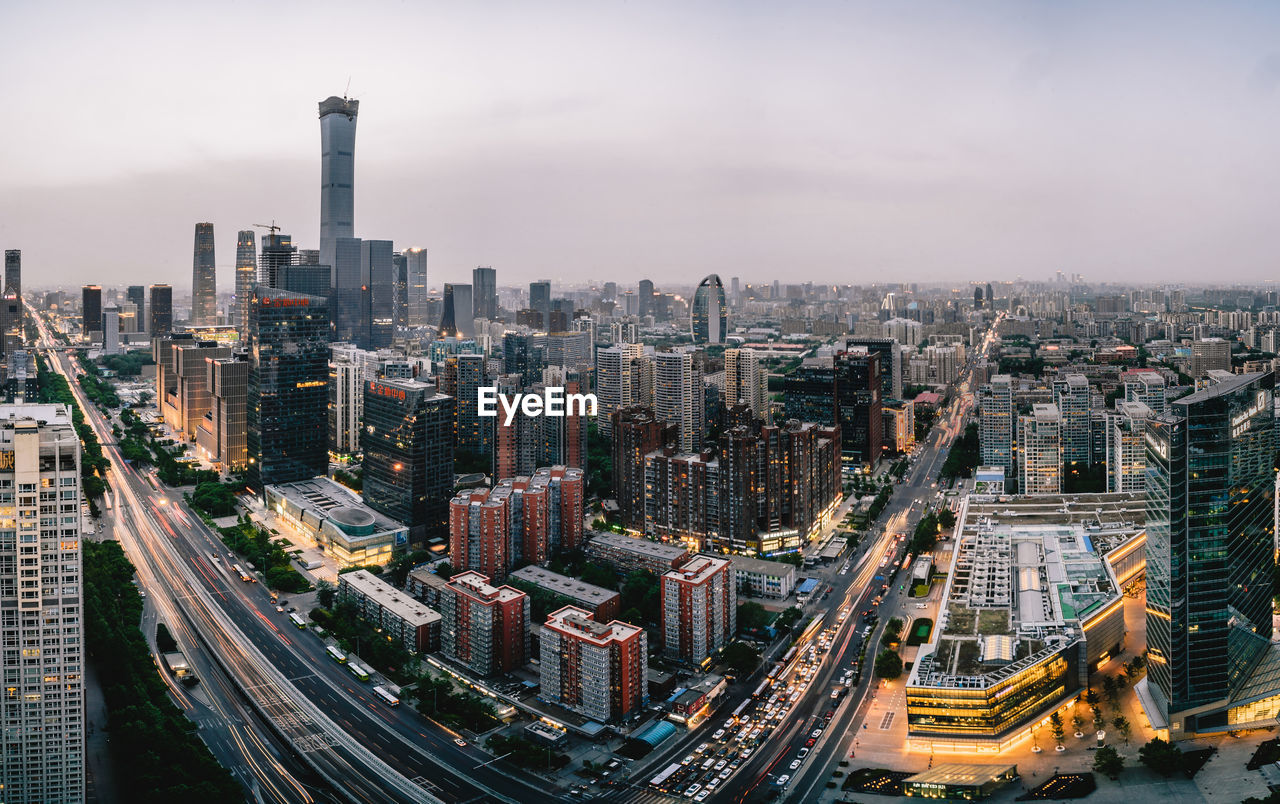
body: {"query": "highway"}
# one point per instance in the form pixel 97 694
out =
pixel 367 751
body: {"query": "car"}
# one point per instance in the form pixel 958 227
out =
pixel 922 605
pixel 804 752
pixel 458 741
pixel 702 795
pixel 702 749
pixel 687 760
pixel 280 609
pixel 734 764
pixel 720 765
pixel 719 733
pixel 725 774
pixel 816 733
pixel 713 784
pixel 809 742
pixel 795 763
pixel 828 715
pixel 746 752
pixel 707 765
pixel 693 789
pixel 782 780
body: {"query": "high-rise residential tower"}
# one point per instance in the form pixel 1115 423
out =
pixel 484 289
pixel 41 608
pixel 1071 395
pixel 710 316
pixel 679 396
pixel 337 174
pixel 137 295
pixel 246 278
pixel 1210 497
pixel 204 279
pixel 747 381
pixel 1040 451
pixel 996 423
pixel 160 318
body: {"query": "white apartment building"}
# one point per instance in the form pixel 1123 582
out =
pixel 41 620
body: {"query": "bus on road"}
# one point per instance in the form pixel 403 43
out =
pixel 660 781
pixel 335 654
pixel 358 670
pixel 387 698
pixel 244 576
pixel 297 621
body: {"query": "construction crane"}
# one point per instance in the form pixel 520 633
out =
pixel 273 228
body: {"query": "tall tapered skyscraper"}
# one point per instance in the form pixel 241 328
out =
pixel 246 277
pixel 204 279
pixel 710 316
pixel 337 173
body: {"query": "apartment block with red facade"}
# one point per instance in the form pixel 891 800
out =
pixel 595 669
pixel 699 608
pixel 522 518
pixel 486 627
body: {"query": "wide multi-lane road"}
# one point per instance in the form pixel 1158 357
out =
pixel 366 750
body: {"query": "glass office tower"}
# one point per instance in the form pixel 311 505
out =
pixel 288 392
pixel 1210 543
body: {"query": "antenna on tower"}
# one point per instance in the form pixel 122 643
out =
pixel 347 92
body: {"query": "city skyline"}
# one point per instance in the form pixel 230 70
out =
pixel 756 139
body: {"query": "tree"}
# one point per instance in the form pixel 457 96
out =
pixel 1121 724
pixel 1091 697
pixel 1077 723
pixel 324 593
pixel 752 615
pixel 1055 726
pixel 1098 720
pixel 741 657
pixel 946 518
pixel 214 499
pixel 888 665
pixel 1162 757
pixel 892 630
pixel 1111 691
pixel 1108 762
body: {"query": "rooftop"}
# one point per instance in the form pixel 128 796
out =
pixel 477 585
pixel 638 545
pixel 760 566
pixel 389 598
pixel 581 624
pixel 698 569
pixel 563 584
pixel 962 773
pixel 1028 572
pixel 328 499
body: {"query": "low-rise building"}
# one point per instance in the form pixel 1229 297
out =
pixel 404 619
pixel 628 553
pixel 604 604
pixel 425 585
pixel 755 577
pixel 337 521
pixel 593 668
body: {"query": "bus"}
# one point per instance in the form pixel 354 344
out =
pixel 764 685
pixel 737 713
pixel 387 698
pixel 244 576
pixel 297 621
pixel 660 781
pixel 789 656
pixel 335 654
pixel 358 670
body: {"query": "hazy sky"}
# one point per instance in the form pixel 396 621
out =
pixel 836 142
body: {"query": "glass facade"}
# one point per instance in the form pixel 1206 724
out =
pixel 204 292
pixel 710 312
pixel 1210 542
pixel 287 396
pixel 408 454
